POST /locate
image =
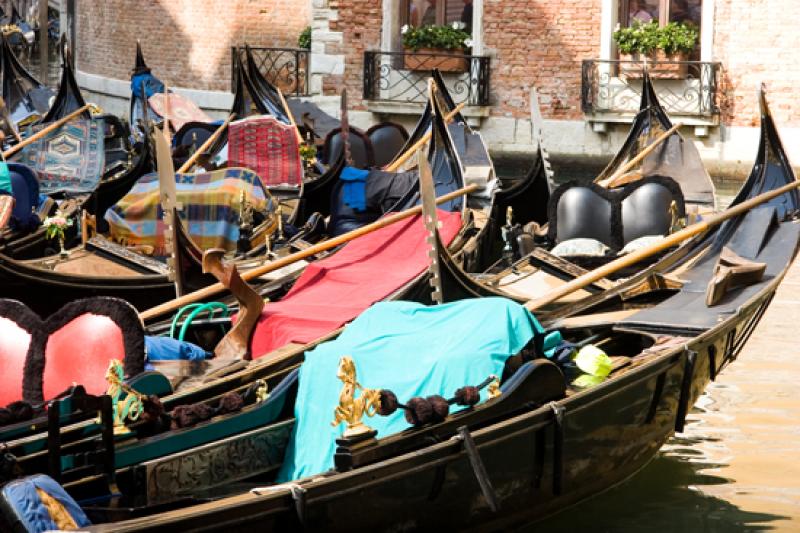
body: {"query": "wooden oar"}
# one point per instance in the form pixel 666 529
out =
pixel 669 241
pixel 612 180
pixel 203 147
pixel 41 133
pixel 423 140
pixel 167 109
pixel 290 116
pixel 308 252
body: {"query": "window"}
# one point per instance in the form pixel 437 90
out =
pixel 661 11
pixel 427 12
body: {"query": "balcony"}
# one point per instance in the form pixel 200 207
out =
pixel 286 68
pixel 610 90
pixel 397 80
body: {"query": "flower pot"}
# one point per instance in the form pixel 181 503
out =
pixel 430 58
pixel 660 65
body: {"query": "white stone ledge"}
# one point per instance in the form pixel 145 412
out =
pixel 112 87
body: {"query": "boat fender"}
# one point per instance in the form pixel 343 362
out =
pixel 479 469
pixel 686 390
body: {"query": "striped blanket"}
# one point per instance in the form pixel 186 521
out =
pixel 210 208
pixel 70 159
pixel 268 147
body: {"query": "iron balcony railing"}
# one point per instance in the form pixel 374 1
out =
pixel 286 68
pixel 403 76
pixel 687 88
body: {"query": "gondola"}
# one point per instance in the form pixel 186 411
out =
pixel 124 164
pixel 26 97
pixel 407 233
pixel 117 146
pixel 145 282
pixel 542 444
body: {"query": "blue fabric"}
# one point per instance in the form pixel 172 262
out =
pixel 25 189
pixel 355 187
pixel 410 349
pixel 169 349
pixel 21 496
pixel 152 85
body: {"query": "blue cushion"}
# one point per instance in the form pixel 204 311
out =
pixel 355 182
pixel 25 189
pixel 169 349
pixel 26 508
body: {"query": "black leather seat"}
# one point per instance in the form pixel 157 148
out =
pixel 387 140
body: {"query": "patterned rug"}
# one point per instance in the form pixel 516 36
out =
pixel 268 147
pixel 181 110
pixel 210 208
pixel 69 159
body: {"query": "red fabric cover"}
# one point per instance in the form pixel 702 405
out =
pixel 267 147
pixel 335 290
pixel 80 352
pixel 14 342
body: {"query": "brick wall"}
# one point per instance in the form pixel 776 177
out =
pixel 540 43
pixel 531 42
pixel 756 40
pixel 186 42
pixel 359 21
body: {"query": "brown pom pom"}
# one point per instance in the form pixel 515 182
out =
pixel 388 403
pixel 419 411
pixel 182 416
pixel 153 409
pixel 20 410
pixel 202 411
pixel 230 403
pixel 468 395
pixel 440 408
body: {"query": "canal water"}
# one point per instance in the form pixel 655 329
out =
pixel 735 467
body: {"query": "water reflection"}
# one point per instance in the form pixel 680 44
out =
pixel 665 496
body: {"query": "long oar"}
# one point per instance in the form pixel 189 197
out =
pixel 422 141
pixel 203 147
pixel 290 116
pixel 289 259
pixel 44 131
pixel 669 241
pixel 611 180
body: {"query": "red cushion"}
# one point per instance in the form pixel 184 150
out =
pixel 79 352
pixel 335 290
pixel 14 342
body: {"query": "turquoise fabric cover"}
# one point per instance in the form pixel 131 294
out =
pixel 5 179
pixel 410 349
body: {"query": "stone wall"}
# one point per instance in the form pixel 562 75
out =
pixel 756 41
pixel 186 42
pixel 342 31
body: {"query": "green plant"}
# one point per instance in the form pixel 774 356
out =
pixel 308 152
pixel 448 37
pixel 304 40
pixel 645 38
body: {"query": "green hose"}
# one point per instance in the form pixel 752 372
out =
pixel 194 310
